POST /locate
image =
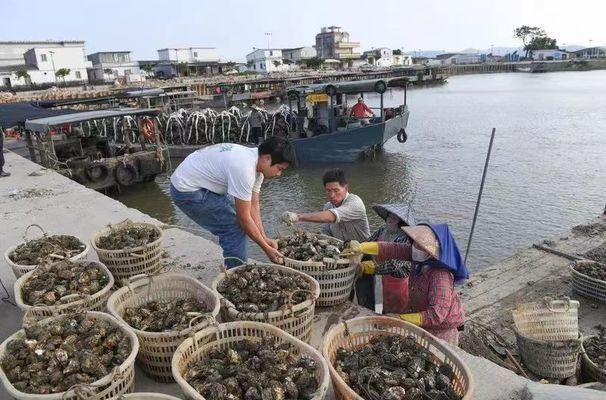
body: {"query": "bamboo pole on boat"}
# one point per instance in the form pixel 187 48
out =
pixel 475 214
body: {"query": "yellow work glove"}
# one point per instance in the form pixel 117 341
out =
pixel 368 267
pixel 413 318
pixel 357 248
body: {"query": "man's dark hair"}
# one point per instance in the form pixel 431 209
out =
pixel 281 150
pixel 334 175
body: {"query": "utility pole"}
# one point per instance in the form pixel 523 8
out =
pixel 268 34
pixel 52 53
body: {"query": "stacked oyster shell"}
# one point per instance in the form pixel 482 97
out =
pixel 306 246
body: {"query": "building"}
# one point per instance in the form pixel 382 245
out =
pixel 381 57
pixel 591 52
pixel 188 61
pixel 550 55
pixel 41 60
pixel 108 66
pixel 458 58
pixel 332 43
pixel 298 54
pixel 265 61
pixel 401 59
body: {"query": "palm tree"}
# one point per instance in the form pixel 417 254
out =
pixel 62 73
pixel 22 73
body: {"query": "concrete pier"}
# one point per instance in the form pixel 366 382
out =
pixel 60 205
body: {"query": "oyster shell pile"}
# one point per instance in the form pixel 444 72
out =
pixel 392 367
pixel 50 283
pixel 306 246
pixel 71 350
pixel 594 270
pixel 127 236
pixel 255 371
pixel 260 289
pixel 35 251
pixel 164 315
pixel 595 348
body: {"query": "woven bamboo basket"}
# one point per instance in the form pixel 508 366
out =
pixel 548 336
pixel 586 285
pixel 357 332
pixel 224 336
pixel 590 369
pixel 94 302
pixel 19 269
pixel 129 262
pixel 296 320
pixel 120 381
pixel 157 348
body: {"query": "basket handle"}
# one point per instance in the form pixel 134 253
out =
pixel 25 238
pixel 557 306
pixel 85 390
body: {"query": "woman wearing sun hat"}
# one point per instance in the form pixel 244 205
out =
pixel 433 304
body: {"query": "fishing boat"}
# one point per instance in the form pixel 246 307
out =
pixel 329 135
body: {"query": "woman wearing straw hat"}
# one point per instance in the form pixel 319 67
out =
pixel 395 288
pixel 434 303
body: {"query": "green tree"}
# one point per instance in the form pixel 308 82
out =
pixel 527 34
pixel 314 62
pixel 62 73
pixel 148 69
pixel 277 63
pixel 397 52
pixel 22 73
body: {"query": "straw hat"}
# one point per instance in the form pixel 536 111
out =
pixel 425 239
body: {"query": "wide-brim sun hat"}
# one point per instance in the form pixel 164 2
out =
pixel 401 210
pixel 424 238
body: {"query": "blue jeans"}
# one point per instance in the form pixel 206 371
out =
pixel 217 214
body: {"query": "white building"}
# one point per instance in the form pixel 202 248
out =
pixel 42 60
pixel 381 57
pixel 107 66
pixel 550 55
pixel 298 54
pixel 189 54
pixel 266 60
pixel 402 60
pixel 458 58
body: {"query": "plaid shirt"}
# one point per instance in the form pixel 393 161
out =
pixel 432 292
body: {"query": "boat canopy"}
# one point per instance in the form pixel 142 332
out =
pixel 15 114
pixel 347 87
pixel 42 124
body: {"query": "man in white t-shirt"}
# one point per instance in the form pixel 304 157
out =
pixel 218 187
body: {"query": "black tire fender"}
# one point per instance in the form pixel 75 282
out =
pixel 402 136
pixel 96 172
pixel 126 174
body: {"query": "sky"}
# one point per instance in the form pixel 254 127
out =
pixel 235 27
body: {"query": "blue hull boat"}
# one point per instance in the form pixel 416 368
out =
pixel 348 145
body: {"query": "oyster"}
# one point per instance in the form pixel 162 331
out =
pixel 164 315
pixel 51 283
pixel 595 348
pixel 51 358
pixel 265 370
pixel 306 246
pixel 393 367
pixel 594 270
pixel 35 251
pixel 260 289
pixel 127 236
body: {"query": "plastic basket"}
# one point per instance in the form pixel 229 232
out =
pixel 296 320
pixel 590 369
pixel 157 348
pixel 357 332
pixel 129 262
pixel 19 269
pixel 223 336
pixel 120 381
pixel 93 302
pixel 587 286
pixel 548 337
pixel 146 396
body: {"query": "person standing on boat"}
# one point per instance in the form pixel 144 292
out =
pixel 434 304
pixel 218 187
pixel 344 218
pixel 360 111
pixel 395 288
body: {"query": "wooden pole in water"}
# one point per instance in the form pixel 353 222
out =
pixel 475 214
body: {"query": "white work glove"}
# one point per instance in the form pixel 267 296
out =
pixel 289 218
